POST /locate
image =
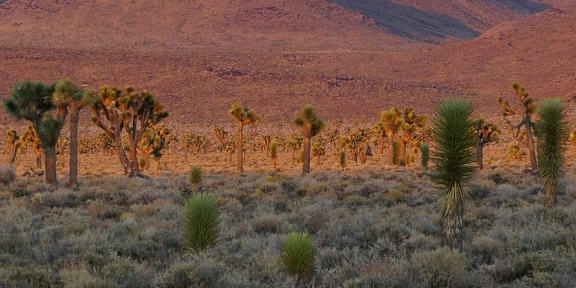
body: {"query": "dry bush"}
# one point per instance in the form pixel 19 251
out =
pixel 7 174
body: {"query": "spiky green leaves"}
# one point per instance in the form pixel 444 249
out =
pixel 201 221
pixel 453 157
pixel 298 254
pixel 195 175
pixel 453 132
pixel 310 123
pixel 243 114
pixel 552 132
pixel 65 91
pixel 28 100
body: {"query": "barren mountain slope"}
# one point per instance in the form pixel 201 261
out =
pixel 199 57
pixel 435 20
pixel 184 24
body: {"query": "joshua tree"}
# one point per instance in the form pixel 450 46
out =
pixel 13 143
pixel 243 116
pixel 311 125
pixel 294 144
pixel 30 139
pixel 453 157
pixel 153 142
pixel 266 139
pixel 115 110
pixel 380 132
pixel 358 144
pixel 67 94
pixel 528 108
pixel 34 102
pixel 391 121
pixel 221 135
pixel 411 123
pixel 318 149
pixel 552 132
pixel 486 133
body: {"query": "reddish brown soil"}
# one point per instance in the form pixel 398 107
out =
pixel 201 56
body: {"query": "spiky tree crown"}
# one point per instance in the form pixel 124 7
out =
pixel 391 120
pixel 453 130
pixel 487 131
pixel 30 100
pixel 243 115
pixel 552 132
pixel 65 92
pixel 310 123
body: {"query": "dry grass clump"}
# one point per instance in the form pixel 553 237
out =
pixel 384 231
pixel 7 174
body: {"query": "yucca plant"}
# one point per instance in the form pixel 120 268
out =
pixel 425 149
pixel 274 153
pixel 201 221
pixel 342 159
pixel 552 133
pixel 453 157
pixel 195 175
pixel 298 254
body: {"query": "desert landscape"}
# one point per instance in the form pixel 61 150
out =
pixel 374 218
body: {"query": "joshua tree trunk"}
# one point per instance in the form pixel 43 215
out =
pixel 530 143
pixel 239 148
pixel 14 152
pixel 38 153
pixel 74 116
pixel 306 159
pixel 480 155
pixel 50 162
pixel 402 160
pixel 126 163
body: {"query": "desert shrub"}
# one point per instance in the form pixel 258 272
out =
pixel 484 250
pixel 201 221
pixel 316 221
pixel 442 267
pixel 77 275
pixel 195 175
pixel 104 211
pixel 32 276
pixel 122 272
pixel 298 254
pixel 419 242
pixel 394 196
pixel 269 224
pixel 532 265
pixel 177 275
pixel 7 174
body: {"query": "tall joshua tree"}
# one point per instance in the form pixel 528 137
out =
pixel 66 93
pixel 486 133
pixel 13 143
pixel 311 125
pixel 552 133
pixel 453 157
pixel 115 110
pixel 243 116
pixel 33 101
pixel 391 121
pixel 30 139
pixel 528 108
pixel 410 125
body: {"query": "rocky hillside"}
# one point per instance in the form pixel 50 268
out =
pixel 201 56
